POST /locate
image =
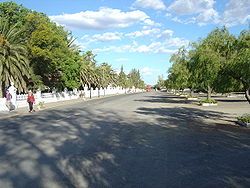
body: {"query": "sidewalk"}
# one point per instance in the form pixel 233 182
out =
pixel 25 110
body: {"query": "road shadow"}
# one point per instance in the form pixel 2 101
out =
pixel 168 98
pixel 183 116
pixel 100 148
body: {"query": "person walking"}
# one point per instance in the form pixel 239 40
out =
pixel 31 100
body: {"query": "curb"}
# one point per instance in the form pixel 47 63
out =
pixel 21 111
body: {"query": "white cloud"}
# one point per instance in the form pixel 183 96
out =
pixel 151 22
pixel 104 19
pixel 236 12
pixel 153 47
pixel 142 49
pixel 186 7
pixel 168 14
pixel 209 14
pixel 144 32
pixel 105 49
pixel 150 4
pixel 163 50
pixel 176 42
pixel 121 59
pixel 204 9
pixel 161 47
pixel 167 44
pixel 106 37
pixel 176 19
pixel 118 49
pixel 85 37
pixel 166 34
pixel 147 71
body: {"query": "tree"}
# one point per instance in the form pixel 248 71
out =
pixel 135 77
pixel 49 52
pixel 208 59
pixel 14 65
pixel 14 13
pixel 205 64
pixel 107 75
pixel 122 78
pixel 161 83
pixel 71 43
pixel 179 71
pixel 70 71
pixel 219 62
pixel 238 66
pixel 88 74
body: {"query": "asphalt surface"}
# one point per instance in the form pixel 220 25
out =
pixel 146 140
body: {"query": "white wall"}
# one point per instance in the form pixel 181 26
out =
pixel 66 95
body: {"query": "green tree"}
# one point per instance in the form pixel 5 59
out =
pixel 205 64
pixel 14 13
pixel 179 71
pixel 70 71
pixel 160 83
pixel 107 75
pixel 14 65
pixel 209 57
pixel 134 77
pixel 122 78
pixel 49 53
pixel 238 66
pixel 88 73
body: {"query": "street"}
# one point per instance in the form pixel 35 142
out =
pixel 145 140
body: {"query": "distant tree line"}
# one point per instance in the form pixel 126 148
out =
pixel 37 53
pixel 218 63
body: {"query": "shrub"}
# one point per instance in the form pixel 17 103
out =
pixel 183 93
pixel 244 118
pixel 191 96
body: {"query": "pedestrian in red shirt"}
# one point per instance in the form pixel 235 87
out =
pixel 31 100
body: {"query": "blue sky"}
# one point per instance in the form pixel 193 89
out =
pixel 142 34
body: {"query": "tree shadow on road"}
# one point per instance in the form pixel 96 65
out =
pixel 184 116
pixel 77 147
pixel 168 98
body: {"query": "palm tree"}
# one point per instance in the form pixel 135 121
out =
pixel 107 74
pixel 88 74
pixel 72 45
pixel 14 65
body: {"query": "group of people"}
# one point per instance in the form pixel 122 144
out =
pixel 11 99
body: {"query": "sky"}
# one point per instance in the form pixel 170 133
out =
pixel 142 34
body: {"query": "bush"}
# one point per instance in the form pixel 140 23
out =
pixel 244 118
pixel 192 96
pixel 208 101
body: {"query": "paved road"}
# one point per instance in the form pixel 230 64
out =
pixel 147 140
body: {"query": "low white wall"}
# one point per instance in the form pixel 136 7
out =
pixel 67 95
